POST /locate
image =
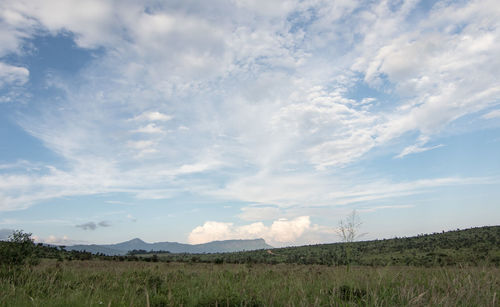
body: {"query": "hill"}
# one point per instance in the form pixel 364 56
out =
pixel 172 247
pixel 470 246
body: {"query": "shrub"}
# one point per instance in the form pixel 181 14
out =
pixel 18 250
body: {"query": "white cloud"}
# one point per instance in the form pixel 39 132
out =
pixel 211 231
pixel 14 28
pixel 150 128
pixel 341 151
pixel 13 75
pixel 90 21
pixel 376 208
pixel 276 8
pixel 416 149
pixel 21 164
pixel 284 230
pixel 280 232
pixel 445 65
pixel 153 116
pixel 266 91
pixel 308 191
pixel 197 167
pixel 492 114
pixel 142 144
pixel 55 240
pixel 143 147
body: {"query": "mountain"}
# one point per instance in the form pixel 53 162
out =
pixel 173 247
pixel 95 249
pixel 228 246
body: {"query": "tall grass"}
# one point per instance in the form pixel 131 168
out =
pixel 105 283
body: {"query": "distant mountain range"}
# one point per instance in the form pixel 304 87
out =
pixel 173 247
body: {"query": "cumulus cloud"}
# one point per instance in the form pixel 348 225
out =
pixel 284 230
pixel 56 240
pixel 280 232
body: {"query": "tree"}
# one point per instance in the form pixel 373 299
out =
pixel 349 232
pixel 18 250
pixel 349 228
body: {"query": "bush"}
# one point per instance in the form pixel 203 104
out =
pixel 18 250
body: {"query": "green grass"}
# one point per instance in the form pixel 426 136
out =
pixel 108 283
pixel 457 268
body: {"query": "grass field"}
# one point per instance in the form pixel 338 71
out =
pixel 109 283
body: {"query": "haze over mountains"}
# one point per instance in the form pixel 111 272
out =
pixel 173 247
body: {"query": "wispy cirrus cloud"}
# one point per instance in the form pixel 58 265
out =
pixel 492 114
pixel 416 149
pixel 250 101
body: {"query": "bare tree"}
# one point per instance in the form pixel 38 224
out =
pixel 349 232
pixel 349 227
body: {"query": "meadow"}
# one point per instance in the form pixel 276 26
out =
pixel 129 283
pixel 457 268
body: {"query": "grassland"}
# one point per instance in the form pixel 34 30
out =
pixel 109 283
pixel 457 268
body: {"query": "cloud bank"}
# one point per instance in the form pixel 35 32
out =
pixel 280 232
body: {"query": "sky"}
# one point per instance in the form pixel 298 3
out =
pixel 193 121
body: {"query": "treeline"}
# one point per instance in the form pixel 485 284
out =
pixel 475 246
pixel 20 250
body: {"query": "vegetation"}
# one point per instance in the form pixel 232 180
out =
pixel 349 228
pixel 104 283
pixel 18 250
pixel 457 268
pixel 475 246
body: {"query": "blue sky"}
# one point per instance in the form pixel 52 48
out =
pixel 196 121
